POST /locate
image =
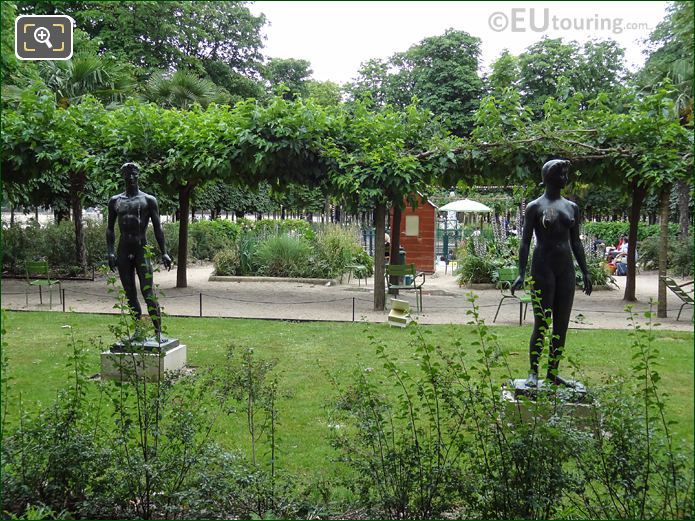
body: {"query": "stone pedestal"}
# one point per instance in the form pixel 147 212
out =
pixel 149 359
pixel 520 399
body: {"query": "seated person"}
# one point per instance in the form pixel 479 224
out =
pixel 621 264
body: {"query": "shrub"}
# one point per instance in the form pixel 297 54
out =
pixel 682 261
pixel 171 239
pixel 284 256
pixel 210 237
pixel 597 271
pixel 335 248
pixel 473 269
pixel 227 262
pixel 445 445
pixel 611 231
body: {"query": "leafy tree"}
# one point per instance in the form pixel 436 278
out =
pixel 239 86
pixel 671 56
pixel 552 68
pixel 504 75
pixel 290 73
pixel 373 83
pixel 324 93
pixel 440 71
pixel 164 35
pixel 374 163
pixel 55 147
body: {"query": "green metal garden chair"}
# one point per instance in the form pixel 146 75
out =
pixel 685 296
pixel 37 274
pixel 409 276
pixel 507 276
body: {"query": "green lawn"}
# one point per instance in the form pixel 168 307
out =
pixel 37 346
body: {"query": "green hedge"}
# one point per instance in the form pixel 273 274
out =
pixel 610 231
pixel 54 243
pixel 331 247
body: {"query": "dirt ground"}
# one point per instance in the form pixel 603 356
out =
pixel 443 301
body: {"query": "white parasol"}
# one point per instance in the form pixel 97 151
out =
pixel 466 206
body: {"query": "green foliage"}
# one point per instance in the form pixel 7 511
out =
pixel 32 242
pixel 611 231
pixel 679 253
pixel 209 237
pixel 598 272
pixel 182 89
pixel 445 442
pixel 682 261
pixel 335 248
pixel 167 35
pixel 288 76
pixel 440 71
pixel 284 256
pixel 227 262
pixel 473 269
pixel 406 463
pixel 636 471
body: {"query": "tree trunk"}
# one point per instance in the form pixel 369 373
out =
pixel 379 253
pixel 12 216
pixel 665 199
pixel 638 194
pixel 76 188
pixel 185 193
pixel 395 243
pixel 684 208
pixel 80 251
pixel 36 213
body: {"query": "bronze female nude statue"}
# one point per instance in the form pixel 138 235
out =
pixel 555 221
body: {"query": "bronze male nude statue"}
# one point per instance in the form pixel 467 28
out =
pixel 134 209
pixel 555 221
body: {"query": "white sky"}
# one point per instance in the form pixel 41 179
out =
pixel 336 36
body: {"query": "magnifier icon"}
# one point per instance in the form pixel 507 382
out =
pixel 42 35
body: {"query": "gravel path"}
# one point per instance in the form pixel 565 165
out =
pixel 444 302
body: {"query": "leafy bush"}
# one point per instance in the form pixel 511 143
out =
pixel 682 261
pixel 150 454
pixel 611 231
pixel 335 248
pixel 445 445
pixel 474 270
pixel 210 237
pixel 54 243
pixel 284 256
pixel 227 262
pixel 597 271
pixel 679 254
pixel 171 239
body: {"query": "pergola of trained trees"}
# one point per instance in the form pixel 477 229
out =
pixel 411 122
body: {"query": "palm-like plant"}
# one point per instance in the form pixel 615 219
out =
pixel 182 89
pixel 99 76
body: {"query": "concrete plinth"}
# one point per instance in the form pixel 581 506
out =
pixel 152 365
pixel 520 402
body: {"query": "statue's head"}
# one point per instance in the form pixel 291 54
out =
pixel 555 172
pixel 130 172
